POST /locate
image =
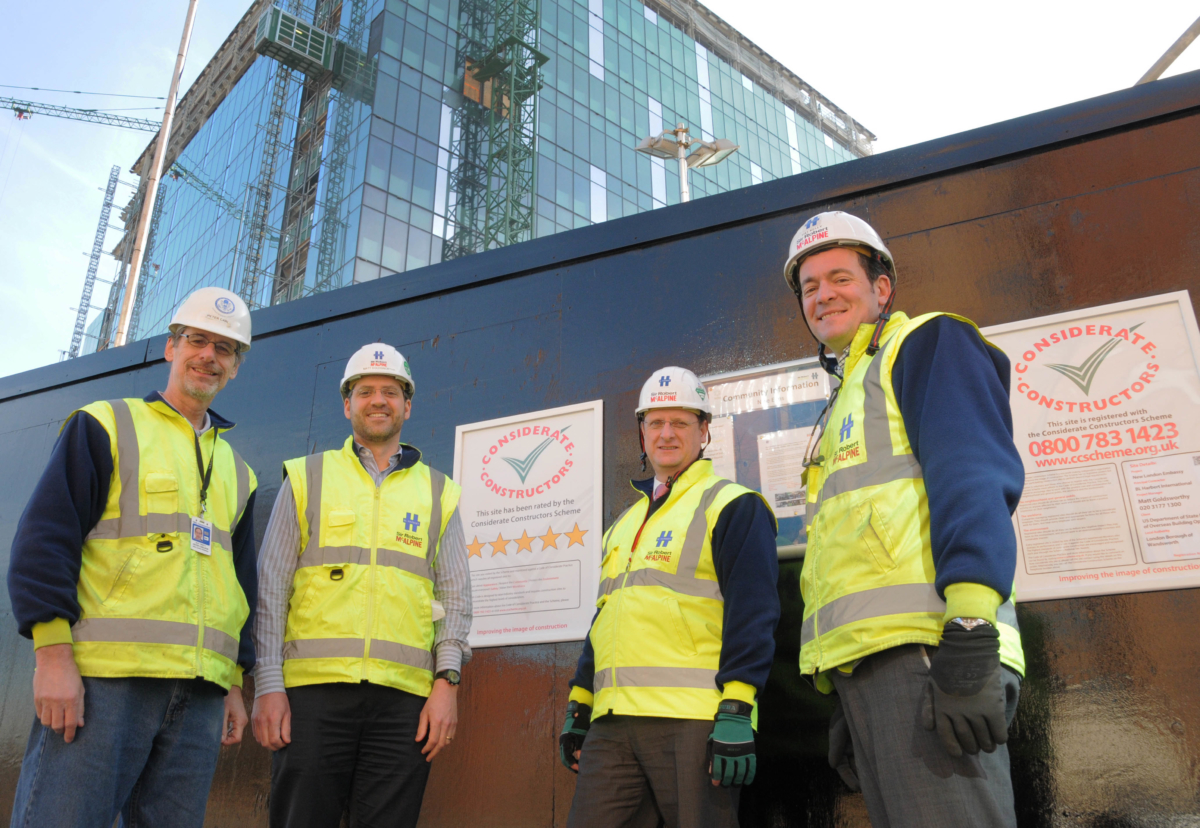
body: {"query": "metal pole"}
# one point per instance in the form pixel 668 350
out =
pixel 681 139
pixel 1169 56
pixel 160 151
pixel 238 241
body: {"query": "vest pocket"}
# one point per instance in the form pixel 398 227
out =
pixel 121 581
pixel 162 493
pixel 682 633
pixel 876 536
pixel 339 528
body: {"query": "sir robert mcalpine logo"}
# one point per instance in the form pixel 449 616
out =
pixel 813 232
pixel 664 393
pixel 378 360
pixel 1103 384
pixel 409 534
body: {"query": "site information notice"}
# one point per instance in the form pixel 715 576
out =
pixel 1106 417
pixel 530 508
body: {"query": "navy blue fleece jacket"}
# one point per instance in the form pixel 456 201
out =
pixel 743 549
pixel 953 394
pixel 67 503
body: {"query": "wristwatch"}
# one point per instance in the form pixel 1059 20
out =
pixel 969 624
pixel 451 677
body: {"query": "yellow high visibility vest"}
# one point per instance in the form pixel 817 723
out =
pixel 868 576
pixel 657 639
pixel 151 606
pixel 361 605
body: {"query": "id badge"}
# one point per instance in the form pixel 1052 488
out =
pixel 201 536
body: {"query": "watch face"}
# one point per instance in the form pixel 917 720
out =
pixel 451 676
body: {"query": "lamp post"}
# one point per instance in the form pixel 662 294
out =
pixel 674 143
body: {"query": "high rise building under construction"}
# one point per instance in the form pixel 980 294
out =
pixel 328 145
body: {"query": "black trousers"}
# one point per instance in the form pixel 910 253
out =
pixel 353 750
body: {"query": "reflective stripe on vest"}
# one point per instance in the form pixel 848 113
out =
pixel 147 631
pixel 353 648
pixel 888 600
pixel 886 614
pixel 696 677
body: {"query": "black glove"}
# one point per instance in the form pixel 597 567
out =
pixel 731 744
pixel 964 699
pixel 841 748
pixel 575 728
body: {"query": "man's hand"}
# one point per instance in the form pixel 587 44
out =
pixel 731 759
pixel 58 690
pixel 272 721
pixel 964 699
pixel 574 731
pixel 235 717
pixel 439 718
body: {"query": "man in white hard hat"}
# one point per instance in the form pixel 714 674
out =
pixel 660 722
pixel 364 610
pixel 133 571
pixel 908 574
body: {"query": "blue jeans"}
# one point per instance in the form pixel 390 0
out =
pixel 148 750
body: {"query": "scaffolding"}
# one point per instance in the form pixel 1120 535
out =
pixel 496 125
pixel 89 281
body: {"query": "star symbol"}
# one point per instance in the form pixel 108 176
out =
pixel 476 548
pixel 524 542
pixel 499 546
pixel 550 538
pixel 576 536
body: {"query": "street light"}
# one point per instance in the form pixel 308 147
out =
pixel 674 143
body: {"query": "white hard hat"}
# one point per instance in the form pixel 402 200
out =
pixel 833 229
pixel 216 311
pixel 674 387
pixel 377 359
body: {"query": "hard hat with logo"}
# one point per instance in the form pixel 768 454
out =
pixel 674 387
pixel 377 359
pixel 216 311
pixel 833 229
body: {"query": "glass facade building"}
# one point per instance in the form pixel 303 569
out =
pixel 618 70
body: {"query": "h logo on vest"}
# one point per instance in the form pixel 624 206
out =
pixel 847 426
pixel 664 539
pixel 411 522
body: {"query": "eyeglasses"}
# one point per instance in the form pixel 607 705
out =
pixel 656 426
pixel 200 342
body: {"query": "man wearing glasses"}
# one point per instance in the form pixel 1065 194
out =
pixel 908 574
pixel 660 722
pixel 133 571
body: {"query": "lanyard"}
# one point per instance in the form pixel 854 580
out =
pixel 206 475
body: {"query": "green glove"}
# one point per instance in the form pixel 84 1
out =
pixel 731 744
pixel 964 699
pixel 575 728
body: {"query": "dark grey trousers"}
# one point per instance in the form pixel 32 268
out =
pixel 636 770
pixel 908 779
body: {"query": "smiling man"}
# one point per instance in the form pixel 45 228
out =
pixel 133 571
pixel 356 690
pixel 660 722
pixel 908 575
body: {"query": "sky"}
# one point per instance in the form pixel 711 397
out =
pixel 909 72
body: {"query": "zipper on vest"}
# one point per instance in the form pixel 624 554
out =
pixel 621 593
pixel 371 584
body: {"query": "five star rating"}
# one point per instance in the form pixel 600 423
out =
pixel 525 543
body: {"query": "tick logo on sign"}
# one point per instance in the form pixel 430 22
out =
pixel 847 427
pixel 224 304
pixel 664 380
pixel 1083 373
